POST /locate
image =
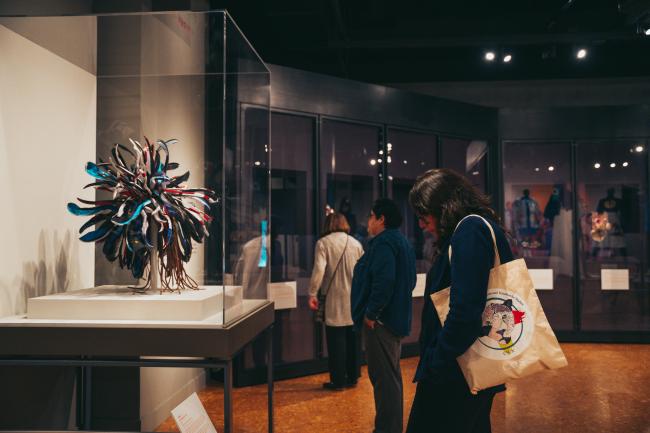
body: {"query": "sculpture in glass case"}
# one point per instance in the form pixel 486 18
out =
pixel 149 222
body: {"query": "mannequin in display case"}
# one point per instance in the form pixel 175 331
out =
pixel 526 220
pixel 612 243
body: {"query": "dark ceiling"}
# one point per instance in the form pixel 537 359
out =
pixel 415 41
pixel 426 40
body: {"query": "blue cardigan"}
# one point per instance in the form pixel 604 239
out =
pixel 383 280
pixel 472 259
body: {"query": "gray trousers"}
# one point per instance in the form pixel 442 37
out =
pixel 383 350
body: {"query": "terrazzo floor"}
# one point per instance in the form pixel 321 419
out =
pixel 605 389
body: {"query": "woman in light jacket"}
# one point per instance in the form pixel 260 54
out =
pixel 336 254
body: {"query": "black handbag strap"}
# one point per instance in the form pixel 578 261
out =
pixel 324 293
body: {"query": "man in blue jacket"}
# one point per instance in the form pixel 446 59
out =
pixel 382 284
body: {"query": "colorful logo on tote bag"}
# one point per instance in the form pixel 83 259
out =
pixel 507 326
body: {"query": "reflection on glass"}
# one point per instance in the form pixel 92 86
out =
pixel 412 153
pixel 467 157
pixel 247 205
pixel 612 194
pixel 350 165
pixel 538 216
pixel 292 226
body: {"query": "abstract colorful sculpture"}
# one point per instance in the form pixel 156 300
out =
pixel 151 215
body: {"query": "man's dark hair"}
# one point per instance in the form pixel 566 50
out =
pixel 388 209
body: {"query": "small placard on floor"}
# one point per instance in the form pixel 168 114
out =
pixel 190 416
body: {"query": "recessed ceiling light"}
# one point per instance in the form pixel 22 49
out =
pixel 536 168
pixel 612 165
pixel 597 165
pixel 257 163
pixel 507 58
pixel 625 164
pixel 551 168
pixel 405 162
pixel 373 162
pixel 647 31
pixel 581 53
pixel 490 56
pixel 638 149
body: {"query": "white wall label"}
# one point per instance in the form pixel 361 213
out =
pixel 190 416
pixel 542 278
pixel 615 279
pixel 283 294
pixel 420 285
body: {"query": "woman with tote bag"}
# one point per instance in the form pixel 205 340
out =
pixel 483 323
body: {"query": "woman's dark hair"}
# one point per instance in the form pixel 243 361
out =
pixel 335 222
pixel 388 209
pixel 449 197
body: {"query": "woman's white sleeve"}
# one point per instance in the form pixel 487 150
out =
pixel 320 264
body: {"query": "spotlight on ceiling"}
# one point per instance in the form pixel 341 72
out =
pixel 625 164
pixel 551 168
pixel 507 58
pixel 536 168
pixel 647 31
pixel 597 165
pixel 612 165
pixel 638 149
pixel 581 53
pixel 490 56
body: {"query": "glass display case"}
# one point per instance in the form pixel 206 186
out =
pixel 73 88
pixel 612 205
pixel 538 214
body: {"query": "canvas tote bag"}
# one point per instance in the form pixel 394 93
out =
pixel 516 339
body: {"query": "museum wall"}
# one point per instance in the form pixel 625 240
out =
pixel 47 133
pixel 593 92
pixel 575 122
pixel 296 90
pixel 45 256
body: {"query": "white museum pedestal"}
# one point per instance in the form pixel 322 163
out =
pixel 121 303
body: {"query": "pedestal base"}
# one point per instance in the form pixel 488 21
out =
pixel 120 303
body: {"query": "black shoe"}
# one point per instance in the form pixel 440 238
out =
pixel 332 387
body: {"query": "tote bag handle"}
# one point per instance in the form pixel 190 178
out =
pixel 497 258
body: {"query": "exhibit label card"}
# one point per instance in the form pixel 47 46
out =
pixel 190 416
pixel 284 294
pixel 542 278
pixel 615 279
pixel 420 285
